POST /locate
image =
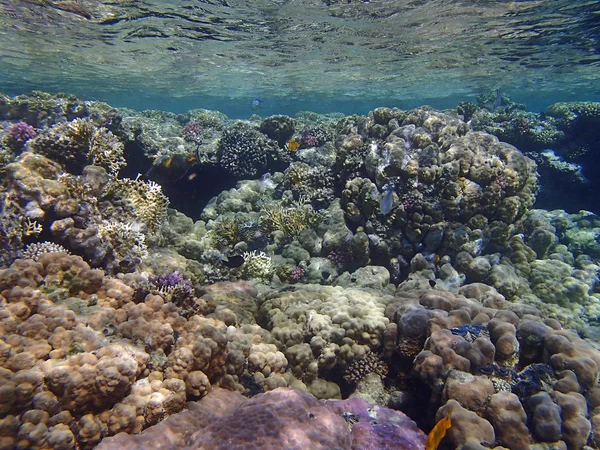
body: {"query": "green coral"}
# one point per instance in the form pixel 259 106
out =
pixel 552 281
pixel 570 111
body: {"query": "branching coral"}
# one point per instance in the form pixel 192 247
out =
pixel 227 232
pixel 14 228
pixel 80 142
pixel 147 200
pixel 291 221
pixel 257 265
pixel 127 242
pixel 37 249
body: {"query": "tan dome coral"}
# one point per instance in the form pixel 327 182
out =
pixel 80 359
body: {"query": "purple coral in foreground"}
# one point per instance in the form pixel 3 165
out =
pixel 280 419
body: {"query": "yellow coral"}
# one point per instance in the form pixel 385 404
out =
pixel 291 221
pixel 227 232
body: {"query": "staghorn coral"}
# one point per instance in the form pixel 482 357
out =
pixel 291 221
pixel 227 232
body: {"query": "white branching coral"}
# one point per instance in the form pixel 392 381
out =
pixel 79 143
pixel 105 150
pixel 37 249
pixel 126 241
pixel 257 265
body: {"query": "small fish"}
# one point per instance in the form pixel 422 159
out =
pixel 386 202
pixel 438 432
pixel 171 168
pixel 432 283
pixel 232 261
pixel 256 104
pixel 292 145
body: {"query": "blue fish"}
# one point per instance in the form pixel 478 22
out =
pixel 386 202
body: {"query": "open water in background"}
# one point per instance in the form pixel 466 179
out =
pixel 322 55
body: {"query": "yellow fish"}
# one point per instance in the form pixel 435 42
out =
pixel 438 432
pixel 292 145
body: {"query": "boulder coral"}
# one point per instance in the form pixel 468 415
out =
pixel 81 358
pixel 505 373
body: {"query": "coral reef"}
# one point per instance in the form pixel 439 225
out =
pixel 562 140
pixel 393 260
pixel 82 360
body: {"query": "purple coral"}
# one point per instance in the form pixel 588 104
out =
pixel 172 280
pixel 377 427
pixel 175 288
pixel 297 274
pixel 309 140
pixel 21 132
pixel 279 419
pixel 191 130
